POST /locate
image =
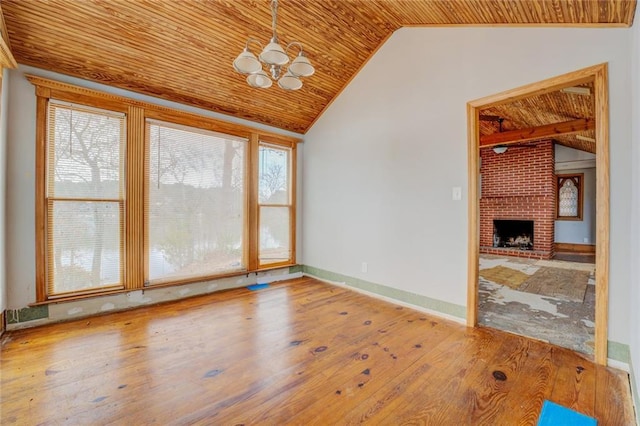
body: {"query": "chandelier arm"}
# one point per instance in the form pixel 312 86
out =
pixel 294 43
pixel 255 40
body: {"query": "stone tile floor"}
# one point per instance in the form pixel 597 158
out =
pixel 558 320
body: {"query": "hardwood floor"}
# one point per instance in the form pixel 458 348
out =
pixel 300 352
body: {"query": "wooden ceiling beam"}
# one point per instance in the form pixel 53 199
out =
pixel 540 132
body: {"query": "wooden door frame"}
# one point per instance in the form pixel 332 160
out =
pixel 599 76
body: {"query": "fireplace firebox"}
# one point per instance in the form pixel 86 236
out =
pixel 516 234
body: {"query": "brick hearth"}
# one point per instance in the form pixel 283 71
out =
pixel 519 185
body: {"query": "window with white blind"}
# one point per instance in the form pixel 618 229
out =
pixel 84 198
pixel 130 195
pixel 275 204
pixel 197 200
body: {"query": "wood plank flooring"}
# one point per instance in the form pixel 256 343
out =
pixel 299 352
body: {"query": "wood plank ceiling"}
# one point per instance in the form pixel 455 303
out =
pixel 567 105
pixel 183 50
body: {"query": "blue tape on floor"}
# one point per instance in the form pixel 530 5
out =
pixel 255 287
pixel 553 414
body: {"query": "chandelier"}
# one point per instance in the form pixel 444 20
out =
pixel 274 57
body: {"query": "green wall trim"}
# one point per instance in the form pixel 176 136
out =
pixel 295 269
pixel 619 352
pixel 15 316
pixel 393 293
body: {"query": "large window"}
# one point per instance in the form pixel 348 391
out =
pixel 84 203
pixel 130 195
pixel 196 202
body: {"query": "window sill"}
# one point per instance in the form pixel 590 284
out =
pixel 574 219
pixel 159 285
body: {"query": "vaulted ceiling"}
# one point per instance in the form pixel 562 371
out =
pixel 183 50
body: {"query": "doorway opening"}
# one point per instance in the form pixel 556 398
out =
pixel 492 139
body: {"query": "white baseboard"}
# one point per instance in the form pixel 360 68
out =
pixel 620 365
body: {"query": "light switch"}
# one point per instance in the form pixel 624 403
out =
pixel 456 193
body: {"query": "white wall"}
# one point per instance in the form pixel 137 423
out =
pixel 565 155
pixel 20 197
pixel 3 186
pixel 20 235
pixel 634 319
pixel 578 231
pixel 381 162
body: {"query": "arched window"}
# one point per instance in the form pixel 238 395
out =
pixel 569 202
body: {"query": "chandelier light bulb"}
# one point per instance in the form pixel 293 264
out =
pixel 246 62
pixel 301 66
pixel 259 80
pixel 273 54
pixel 289 81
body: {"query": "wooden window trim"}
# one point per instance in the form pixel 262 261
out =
pixel 135 240
pixel 293 154
pixel 579 179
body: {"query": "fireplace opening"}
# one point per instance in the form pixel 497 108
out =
pixel 513 234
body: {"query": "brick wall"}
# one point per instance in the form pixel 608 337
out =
pixel 519 185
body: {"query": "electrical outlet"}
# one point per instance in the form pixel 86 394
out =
pixel 586 239
pixel 364 267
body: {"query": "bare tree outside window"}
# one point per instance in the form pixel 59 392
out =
pixel 131 195
pixel 84 188
pixel 196 202
pixel 275 204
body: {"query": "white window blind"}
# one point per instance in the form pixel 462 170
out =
pixel 85 200
pixel 196 202
pixel 274 194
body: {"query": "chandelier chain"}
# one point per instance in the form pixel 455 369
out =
pixel 274 19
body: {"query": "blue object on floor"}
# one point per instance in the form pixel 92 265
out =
pixel 553 414
pixel 255 287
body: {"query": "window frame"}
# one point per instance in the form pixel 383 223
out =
pixel 51 199
pixel 136 186
pixel 158 282
pixel 578 179
pixel 291 202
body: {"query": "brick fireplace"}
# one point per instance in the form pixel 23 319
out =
pixel 518 191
